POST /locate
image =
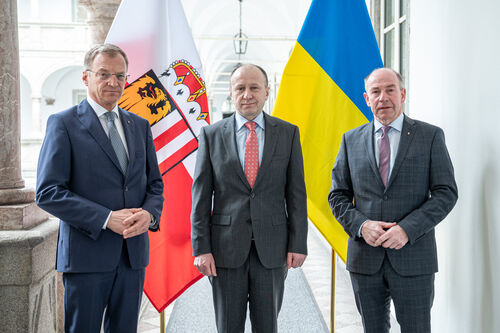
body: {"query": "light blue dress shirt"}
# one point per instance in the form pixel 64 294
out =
pixel 394 138
pixel 242 133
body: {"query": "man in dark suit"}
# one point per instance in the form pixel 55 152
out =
pixel 393 182
pixel 249 221
pixel 99 175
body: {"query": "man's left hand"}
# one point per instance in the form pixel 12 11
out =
pixel 137 224
pixel 295 260
pixel 394 238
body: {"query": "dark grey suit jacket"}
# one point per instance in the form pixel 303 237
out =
pixel 226 211
pixel 420 193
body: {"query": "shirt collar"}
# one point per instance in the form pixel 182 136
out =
pixel 397 123
pixel 240 120
pixel 99 110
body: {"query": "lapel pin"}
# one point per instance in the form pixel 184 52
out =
pixel 408 133
pixel 128 122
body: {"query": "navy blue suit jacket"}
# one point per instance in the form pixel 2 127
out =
pixel 79 181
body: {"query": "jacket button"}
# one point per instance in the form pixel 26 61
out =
pixel 385 197
pixel 252 195
pixel 126 188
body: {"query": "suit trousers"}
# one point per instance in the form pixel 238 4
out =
pixel 412 296
pixel 119 292
pixel 251 283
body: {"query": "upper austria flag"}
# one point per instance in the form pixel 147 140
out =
pixel 321 91
pixel 166 87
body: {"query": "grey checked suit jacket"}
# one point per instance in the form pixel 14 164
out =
pixel 274 211
pixel 420 192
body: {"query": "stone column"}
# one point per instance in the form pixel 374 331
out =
pixel 101 15
pixel 10 153
pixel 28 281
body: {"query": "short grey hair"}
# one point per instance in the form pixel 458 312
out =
pixel 108 49
pixel 400 78
pixel 250 65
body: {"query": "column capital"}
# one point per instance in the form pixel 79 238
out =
pixel 101 15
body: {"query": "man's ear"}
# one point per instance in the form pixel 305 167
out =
pixel 85 77
pixel 367 99
pixel 403 95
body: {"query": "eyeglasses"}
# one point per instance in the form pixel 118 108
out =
pixel 107 76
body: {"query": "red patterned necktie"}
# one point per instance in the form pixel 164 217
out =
pixel 251 154
pixel 384 155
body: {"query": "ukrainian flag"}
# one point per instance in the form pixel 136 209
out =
pixel 321 91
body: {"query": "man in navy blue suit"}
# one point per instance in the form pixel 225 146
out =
pixel 98 173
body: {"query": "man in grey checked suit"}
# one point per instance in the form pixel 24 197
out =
pixel 390 188
pixel 246 234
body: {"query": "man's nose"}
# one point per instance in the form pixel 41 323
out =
pixel 383 96
pixel 113 81
pixel 247 94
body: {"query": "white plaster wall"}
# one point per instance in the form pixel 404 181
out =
pixel 60 88
pixel 454 81
pixel 45 10
pixel 25 107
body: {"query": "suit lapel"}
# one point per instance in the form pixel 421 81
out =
pixel 229 139
pixel 407 135
pixel 367 135
pixel 90 121
pixel 129 129
pixel 270 140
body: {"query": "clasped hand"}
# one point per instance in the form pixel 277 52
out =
pixel 205 263
pixel 386 234
pixel 129 222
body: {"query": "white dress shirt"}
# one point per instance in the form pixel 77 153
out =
pixel 100 111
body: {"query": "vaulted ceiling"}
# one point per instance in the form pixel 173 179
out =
pixel 272 27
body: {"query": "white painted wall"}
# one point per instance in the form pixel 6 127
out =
pixel 454 83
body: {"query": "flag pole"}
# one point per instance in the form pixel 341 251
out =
pixel 162 321
pixel 332 291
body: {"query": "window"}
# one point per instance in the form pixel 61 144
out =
pixel 79 95
pixel 395 41
pixel 390 21
pixel 79 12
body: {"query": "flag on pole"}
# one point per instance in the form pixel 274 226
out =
pixel 321 91
pixel 166 87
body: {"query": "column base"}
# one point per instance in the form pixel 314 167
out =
pixel 18 210
pixel 30 288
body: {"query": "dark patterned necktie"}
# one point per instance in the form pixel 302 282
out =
pixel 116 141
pixel 384 155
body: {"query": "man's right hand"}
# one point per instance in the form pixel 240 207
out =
pixel 115 222
pixel 205 263
pixel 372 230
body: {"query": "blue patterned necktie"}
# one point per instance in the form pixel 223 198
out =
pixel 116 141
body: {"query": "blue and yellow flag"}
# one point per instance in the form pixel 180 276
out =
pixel 321 91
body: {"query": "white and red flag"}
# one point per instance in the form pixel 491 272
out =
pixel 166 87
